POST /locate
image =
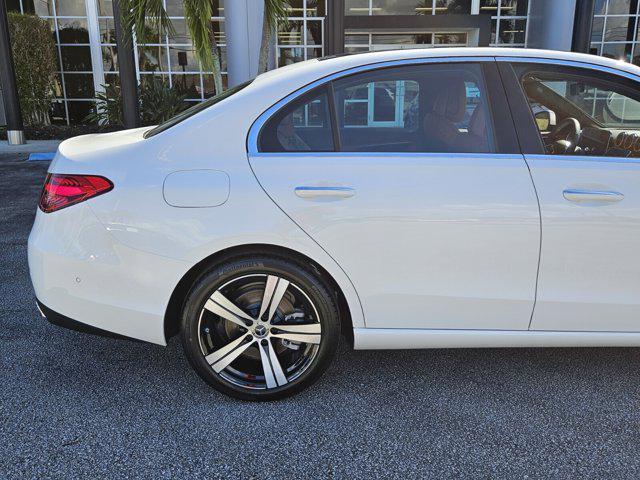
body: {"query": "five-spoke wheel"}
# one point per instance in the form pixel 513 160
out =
pixel 263 328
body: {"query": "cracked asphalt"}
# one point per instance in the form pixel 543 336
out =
pixel 78 406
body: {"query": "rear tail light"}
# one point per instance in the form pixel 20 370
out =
pixel 61 190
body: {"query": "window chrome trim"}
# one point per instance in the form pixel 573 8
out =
pixel 369 155
pixel 254 131
pixel 578 158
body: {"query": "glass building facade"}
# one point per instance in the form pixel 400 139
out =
pixel 83 32
pixel 615 30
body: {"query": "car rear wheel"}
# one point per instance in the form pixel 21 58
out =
pixel 262 328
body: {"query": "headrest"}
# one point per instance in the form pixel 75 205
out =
pixel 451 99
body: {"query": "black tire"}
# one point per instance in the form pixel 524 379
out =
pixel 305 286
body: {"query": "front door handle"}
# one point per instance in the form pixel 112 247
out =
pixel 325 192
pixel 583 195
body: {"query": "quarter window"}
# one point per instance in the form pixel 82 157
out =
pixel 302 126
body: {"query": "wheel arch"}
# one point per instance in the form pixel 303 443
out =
pixel 174 307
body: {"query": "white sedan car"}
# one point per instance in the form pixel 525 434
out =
pixel 403 199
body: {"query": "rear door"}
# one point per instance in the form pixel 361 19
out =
pixel 588 183
pixel 410 177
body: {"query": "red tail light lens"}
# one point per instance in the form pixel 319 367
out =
pixel 61 190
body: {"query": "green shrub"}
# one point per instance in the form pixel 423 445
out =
pixel 158 102
pixel 34 59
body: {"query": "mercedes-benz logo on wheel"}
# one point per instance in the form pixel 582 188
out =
pixel 260 331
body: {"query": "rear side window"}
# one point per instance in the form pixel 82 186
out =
pixel 419 108
pixel 430 108
pixel 302 126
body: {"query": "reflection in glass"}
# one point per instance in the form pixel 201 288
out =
pixel 290 34
pixel 619 51
pixel 356 7
pixel 453 6
pixel 79 110
pixel 183 59
pixel 596 30
pixel 70 8
pixel 617 29
pixel 314 32
pixel 73 30
pixel 622 7
pixel 76 58
pixel 512 31
pixel 105 8
pixel 79 85
pixel 43 8
pixel 110 58
pixel 188 85
pixel 316 8
pixel 287 56
pixel 107 30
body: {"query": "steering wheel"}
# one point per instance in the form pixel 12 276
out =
pixel 566 136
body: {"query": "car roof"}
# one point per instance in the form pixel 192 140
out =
pixel 318 68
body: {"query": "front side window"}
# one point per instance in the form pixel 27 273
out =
pixel 419 108
pixel 579 112
pixel 302 126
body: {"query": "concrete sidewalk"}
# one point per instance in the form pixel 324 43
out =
pixel 32 146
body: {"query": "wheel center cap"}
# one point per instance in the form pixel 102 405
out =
pixel 260 331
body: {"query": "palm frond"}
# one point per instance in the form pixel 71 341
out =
pixel 198 17
pixel 140 15
pixel 276 11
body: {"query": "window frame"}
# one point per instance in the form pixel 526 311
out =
pixel 528 134
pixel 504 133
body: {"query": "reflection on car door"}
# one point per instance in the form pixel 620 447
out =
pixel 427 206
pixel 589 276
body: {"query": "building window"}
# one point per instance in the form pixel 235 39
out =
pixel 406 7
pixel 371 41
pixel 303 37
pixel 615 30
pixel 73 84
pixel 170 57
pixel 508 21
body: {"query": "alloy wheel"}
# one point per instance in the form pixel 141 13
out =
pixel 259 331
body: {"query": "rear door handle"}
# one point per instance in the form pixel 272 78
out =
pixel 581 195
pixel 325 192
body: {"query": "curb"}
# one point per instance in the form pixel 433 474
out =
pixel 41 157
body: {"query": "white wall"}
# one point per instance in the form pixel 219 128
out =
pixel 551 24
pixel 243 23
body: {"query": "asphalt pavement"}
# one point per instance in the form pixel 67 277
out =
pixel 79 406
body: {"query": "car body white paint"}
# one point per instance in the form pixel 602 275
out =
pixel 113 262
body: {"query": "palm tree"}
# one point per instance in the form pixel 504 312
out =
pixel 275 11
pixel 139 15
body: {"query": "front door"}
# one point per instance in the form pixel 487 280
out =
pixel 417 193
pixel 588 182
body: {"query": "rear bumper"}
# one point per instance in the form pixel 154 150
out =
pixel 84 276
pixel 60 320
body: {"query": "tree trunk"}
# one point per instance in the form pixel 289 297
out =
pixel 217 69
pixel 265 47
